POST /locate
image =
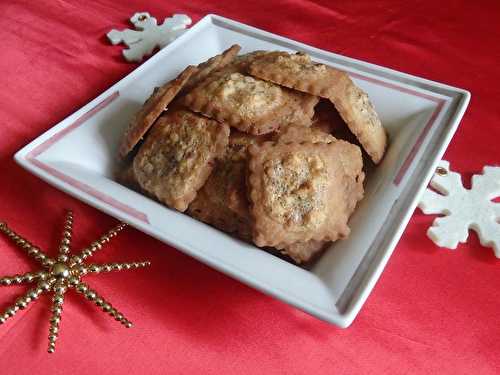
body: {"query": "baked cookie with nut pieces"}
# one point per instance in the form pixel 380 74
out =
pixel 178 156
pixel 299 72
pixel 301 109
pixel 239 64
pixel 302 192
pixel 236 160
pixel 210 206
pixel 152 109
pixel 222 201
pixel 248 104
pixel 357 111
pixel 212 64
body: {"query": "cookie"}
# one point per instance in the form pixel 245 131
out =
pixel 206 68
pixel 246 103
pixel 178 156
pixel 126 176
pixel 152 109
pixel 239 64
pixel 357 111
pixel 297 71
pixel 212 202
pixel 222 202
pixel 327 119
pixel 301 110
pixel 236 159
pixel 298 134
pixel 302 252
pixel 213 210
pixel 302 191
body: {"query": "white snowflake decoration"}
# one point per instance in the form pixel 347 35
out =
pixel 148 34
pixel 464 209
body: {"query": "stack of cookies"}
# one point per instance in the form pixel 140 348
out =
pixel 245 147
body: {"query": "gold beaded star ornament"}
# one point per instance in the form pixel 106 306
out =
pixel 65 272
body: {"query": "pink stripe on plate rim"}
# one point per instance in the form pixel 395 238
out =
pixel 44 146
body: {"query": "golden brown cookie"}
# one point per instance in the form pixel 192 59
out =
pixel 299 72
pixel 302 192
pixel 298 134
pixel 152 109
pixel 236 159
pixel 243 61
pixel 324 126
pixel 211 65
pixel 212 209
pixel 301 110
pixel 211 204
pixel 327 119
pixel 302 252
pixel 178 156
pixel 126 176
pixel 357 111
pixel 246 103
pixel 239 64
pixel 222 201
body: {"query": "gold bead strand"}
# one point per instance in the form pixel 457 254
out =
pixel 97 245
pixel 105 306
pixel 109 267
pixel 23 301
pixel 57 308
pixel 64 247
pixel 27 246
pixel 20 279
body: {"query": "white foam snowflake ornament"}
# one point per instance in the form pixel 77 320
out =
pixel 464 209
pixel 148 34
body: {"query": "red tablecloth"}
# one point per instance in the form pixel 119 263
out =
pixel 433 310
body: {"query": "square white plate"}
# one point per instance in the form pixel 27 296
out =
pixel 420 116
